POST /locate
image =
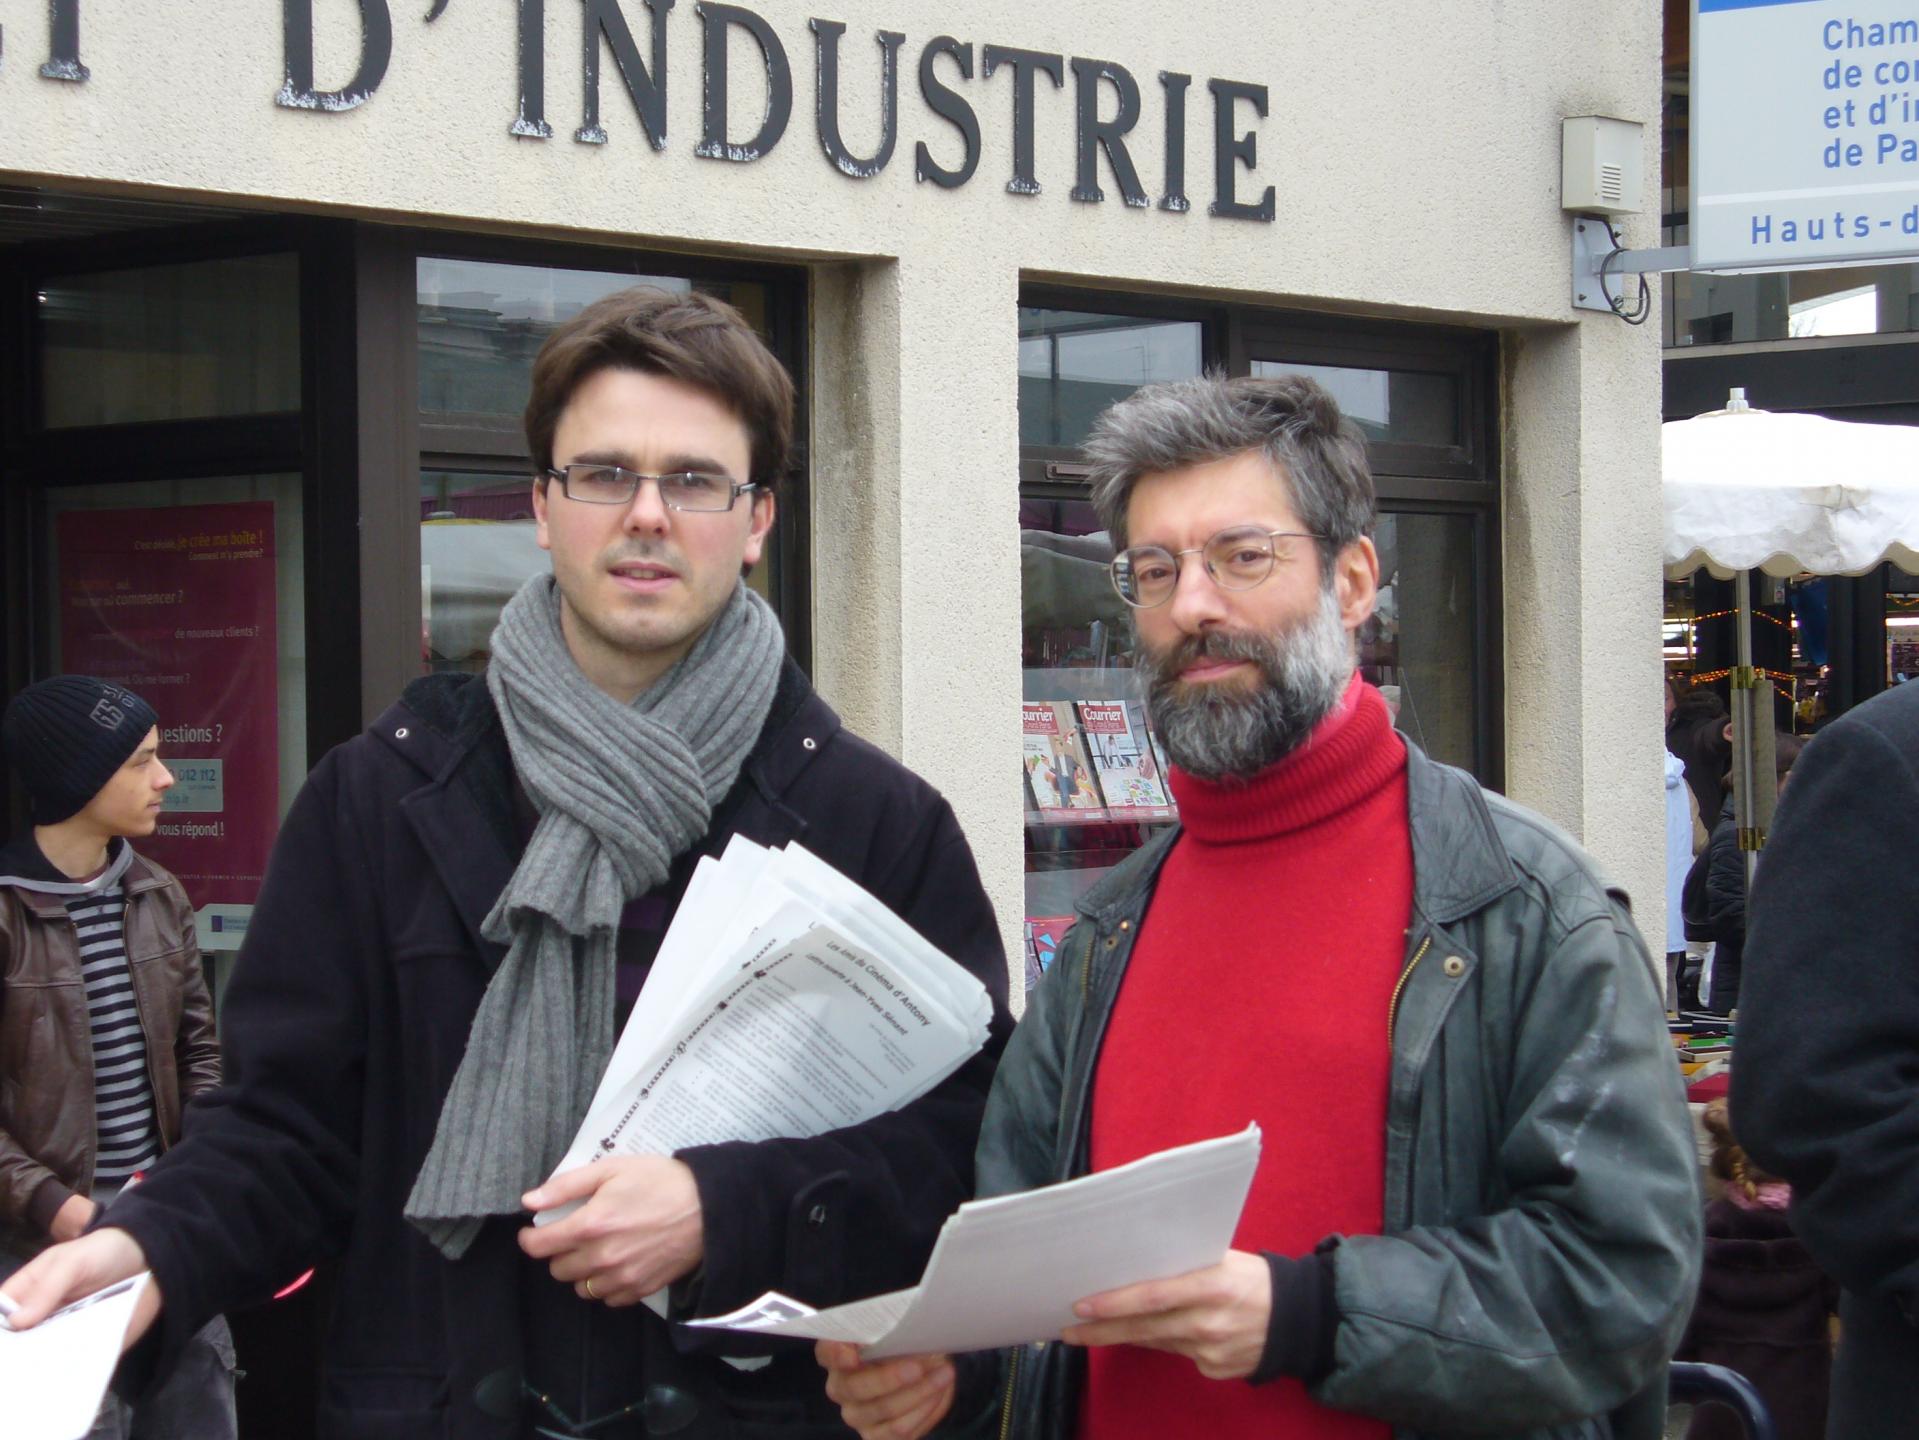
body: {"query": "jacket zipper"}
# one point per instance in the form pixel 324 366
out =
pixel 1392 1012
pixel 1085 999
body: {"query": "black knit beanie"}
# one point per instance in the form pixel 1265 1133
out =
pixel 66 736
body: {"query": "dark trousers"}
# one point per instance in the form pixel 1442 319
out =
pixel 1875 1374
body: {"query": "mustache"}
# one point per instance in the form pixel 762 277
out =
pixel 1212 645
pixel 640 553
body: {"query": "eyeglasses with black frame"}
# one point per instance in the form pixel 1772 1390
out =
pixel 696 492
pixel 1237 558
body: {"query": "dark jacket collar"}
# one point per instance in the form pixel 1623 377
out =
pixel 450 718
pixel 1460 864
pixel 447 728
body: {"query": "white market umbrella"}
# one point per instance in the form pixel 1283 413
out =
pixel 1750 490
pixel 1787 494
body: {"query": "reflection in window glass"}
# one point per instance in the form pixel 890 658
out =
pixel 1418 647
pixel 1073 364
pixel 1077 651
pixel 1850 311
pixel 172 342
pixel 1414 407
pixel 1703 309
pixel 481 323
pixel 1902 639
pixel 477 548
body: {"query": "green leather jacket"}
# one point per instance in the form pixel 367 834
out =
pixel 1542 1218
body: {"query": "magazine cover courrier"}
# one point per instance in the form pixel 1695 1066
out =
pixel 1056 763
pixel 1129 773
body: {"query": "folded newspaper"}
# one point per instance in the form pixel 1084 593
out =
pixel 785 1002
pixel 1007 1271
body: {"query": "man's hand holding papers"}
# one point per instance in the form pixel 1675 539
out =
pixel 64 1274
pixel 1012 1269
pixel 898 1399
pixel 1159 1226
pixel 637 1229
pixel 1217 1317
pixel 785 1003
pixel 54 1367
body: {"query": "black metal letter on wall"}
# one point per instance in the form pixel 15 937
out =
pixel 1173 198
pixel 1094 134
pixel 718 20
pixel 531 123
pixel 63 54
pixel 1229 148
pixel 951 107
pixel 647 87
pixel 827 43
pixel 376 49
pixel 1025 63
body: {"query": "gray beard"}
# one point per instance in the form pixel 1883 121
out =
pixel 1224 732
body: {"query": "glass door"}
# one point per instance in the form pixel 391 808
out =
pixel 160 454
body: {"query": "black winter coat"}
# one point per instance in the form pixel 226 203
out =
pixel 348 1014
pixel 1823 1090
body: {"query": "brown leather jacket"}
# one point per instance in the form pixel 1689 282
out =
pixel 46 1045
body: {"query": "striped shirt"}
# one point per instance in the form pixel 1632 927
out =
pixel 126 1134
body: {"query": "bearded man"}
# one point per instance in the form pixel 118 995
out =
pixel 1475 1210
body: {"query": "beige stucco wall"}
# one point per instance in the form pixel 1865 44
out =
pixel 1415 150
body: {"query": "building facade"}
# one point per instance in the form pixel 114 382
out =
pixel 271 277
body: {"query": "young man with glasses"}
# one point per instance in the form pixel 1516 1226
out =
pixel 1475 1209
pixel 461 910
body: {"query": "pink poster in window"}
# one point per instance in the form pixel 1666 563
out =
pixel 177 604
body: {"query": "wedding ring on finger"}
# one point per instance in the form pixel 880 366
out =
pixel 588 1287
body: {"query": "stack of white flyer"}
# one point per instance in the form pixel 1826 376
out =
pixel 1007 1271
pixel 785 1002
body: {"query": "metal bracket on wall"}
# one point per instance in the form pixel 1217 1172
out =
pixel 1594 249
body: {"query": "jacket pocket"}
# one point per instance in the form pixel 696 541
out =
pixel 384 1404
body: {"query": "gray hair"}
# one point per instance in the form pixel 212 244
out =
pixel 1316 452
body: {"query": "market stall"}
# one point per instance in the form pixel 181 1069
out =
pixel 1785 494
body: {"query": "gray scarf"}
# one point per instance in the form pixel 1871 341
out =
pixel 621 790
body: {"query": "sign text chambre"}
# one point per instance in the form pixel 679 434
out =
pixel 953 76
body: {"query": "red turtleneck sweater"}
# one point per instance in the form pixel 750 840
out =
pixel 1259 990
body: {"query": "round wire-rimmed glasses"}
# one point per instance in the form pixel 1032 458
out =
pixel 1237 558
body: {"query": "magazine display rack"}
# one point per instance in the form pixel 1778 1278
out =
pixel 1092 776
